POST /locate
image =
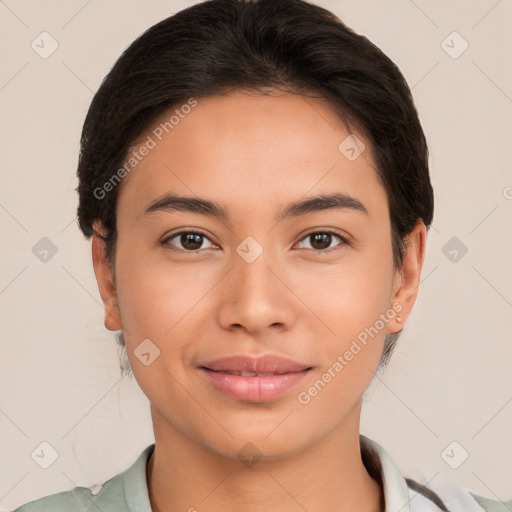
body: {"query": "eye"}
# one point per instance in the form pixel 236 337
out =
pixel 190 240
pixel 321 240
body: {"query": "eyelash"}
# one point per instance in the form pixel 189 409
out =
pixel 318 251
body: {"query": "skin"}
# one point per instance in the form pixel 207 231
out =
pixel 254 154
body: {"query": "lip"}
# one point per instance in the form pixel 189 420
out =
pixel 274 376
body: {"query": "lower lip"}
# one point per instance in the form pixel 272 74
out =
pixel 257 388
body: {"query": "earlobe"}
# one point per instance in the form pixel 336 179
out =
pixel 105 280
pixel 409 277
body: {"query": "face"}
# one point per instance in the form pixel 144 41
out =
pixel 264 324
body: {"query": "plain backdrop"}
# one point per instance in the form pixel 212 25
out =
pixel 447 392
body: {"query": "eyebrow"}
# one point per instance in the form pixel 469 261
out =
pixel 174 202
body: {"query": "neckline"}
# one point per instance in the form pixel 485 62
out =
pixel 376 460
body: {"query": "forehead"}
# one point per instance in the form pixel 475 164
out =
pixel 248 149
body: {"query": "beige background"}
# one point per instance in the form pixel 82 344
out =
pixel 450 378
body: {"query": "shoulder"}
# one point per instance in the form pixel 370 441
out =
pixel 124 492
pixel 81 499
pixel 449 497
pixel 407 493
pixel 490 505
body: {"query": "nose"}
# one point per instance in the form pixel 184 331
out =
pixel 255 297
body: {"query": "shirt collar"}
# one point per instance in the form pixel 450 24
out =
pixel 378 463
pixel 381 467
pixel 135 483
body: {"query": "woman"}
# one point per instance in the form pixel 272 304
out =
pixel 254 178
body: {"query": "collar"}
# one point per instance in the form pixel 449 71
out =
pixel 381 468
pixel 378 463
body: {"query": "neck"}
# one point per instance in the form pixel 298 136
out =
pixel 329 475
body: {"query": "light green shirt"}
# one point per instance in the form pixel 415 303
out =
pixel 128 491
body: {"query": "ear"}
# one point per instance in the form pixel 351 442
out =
pixel 407 281
pixel 105 280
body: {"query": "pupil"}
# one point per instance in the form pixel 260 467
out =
pixel 323 238
pixel 191 238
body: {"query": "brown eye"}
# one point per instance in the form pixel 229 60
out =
pixel 321 241
pixel 187 240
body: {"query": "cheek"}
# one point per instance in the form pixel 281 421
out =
pixel 350 303
pixel 350 296
pixel 350 300
pixel 155 295
pixel 154 302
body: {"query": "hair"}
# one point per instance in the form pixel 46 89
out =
pixel 221 45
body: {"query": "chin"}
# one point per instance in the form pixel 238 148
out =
pixel 264 442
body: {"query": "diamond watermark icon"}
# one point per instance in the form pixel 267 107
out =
pixel 44 45
pixel 249 454
pixel 44 250
pixel 249 250
pixel 44 455
pixel 454 455
pixel 351 147
pixel 454 45
pixel 454 249
pixel 146 352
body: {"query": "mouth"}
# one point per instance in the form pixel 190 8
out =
pixel 254 380
pixel 245 374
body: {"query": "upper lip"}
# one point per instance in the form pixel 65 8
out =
pixel 262 364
